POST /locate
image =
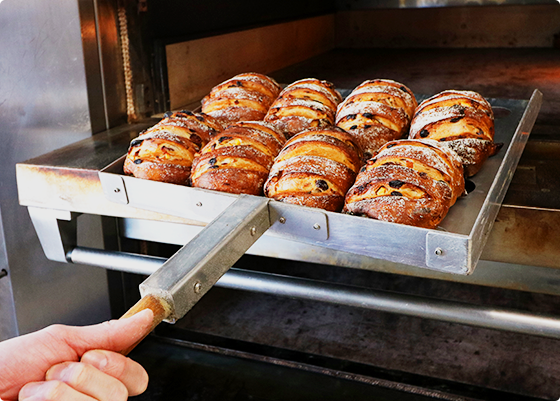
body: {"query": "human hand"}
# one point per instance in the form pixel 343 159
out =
pixel 74 363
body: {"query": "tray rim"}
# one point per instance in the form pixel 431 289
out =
pixel 443 251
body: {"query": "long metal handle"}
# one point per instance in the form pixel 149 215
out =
pixel 429 308
pixel 195 268
pixel 179 283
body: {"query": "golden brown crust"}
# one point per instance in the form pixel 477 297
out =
pixel 437 161
pixel 376 112
pixel 315 169
pixel 165 152
pixel 252 81
pixel 412 182
pixel 334 144
pixel 157 171
pixel 238 159
pixel 461 120
pixel 473 152
pixel 304 104
pixel 331 202
pixel 233 180
pixel 199 124
pixel 245 97
pixel 426 208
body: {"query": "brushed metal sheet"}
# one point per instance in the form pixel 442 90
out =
pixel 461 236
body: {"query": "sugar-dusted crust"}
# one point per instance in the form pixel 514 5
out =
pixel 238 159
pixel 412 182
pixel 376 112
pixel 157 171
pixel 304 104
pixel 473 152
pixel 245 97
pixel 428 205
pixel 233 180
pixel 165 152
pixel 315 169
pixel 461 120
pixel 332 202
pixel 250 80
pixel 425 155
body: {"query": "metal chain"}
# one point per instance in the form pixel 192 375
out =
pixel 125 46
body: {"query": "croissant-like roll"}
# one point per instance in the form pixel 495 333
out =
pixel 307 103
pixel 238 159
pixel 376 112
pixel 315 169
pixel 165 152
pixel 412 182
pixel 461 120
pixel 245 97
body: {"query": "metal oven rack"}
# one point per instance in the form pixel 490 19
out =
pixel 454 247
pixel 56 193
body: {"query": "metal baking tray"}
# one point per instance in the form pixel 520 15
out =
pixel 454 247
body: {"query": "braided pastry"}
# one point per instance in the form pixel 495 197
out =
pixel 165 152
pixel 238 159
pixel 307 103
pixel 412 182
pixel 315 169
pixel 245 97
pixel 461 120
pixel 375 113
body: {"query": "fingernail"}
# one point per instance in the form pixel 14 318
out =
pixel 96 358
pixel 62 372
pixel 31 390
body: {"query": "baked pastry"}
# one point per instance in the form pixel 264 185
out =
pixel 245 97
pixel 315 169
pixel 412 182
pixel 238 159
pixel 307 103
pixel 165 152
pixel 461 120
pixel 376 112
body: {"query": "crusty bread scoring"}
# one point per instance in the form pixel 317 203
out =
pixel 307 103
pixel 376 112
pixel 165 152
pixel 245 97
pixel 461 120
pixel 315 169
pixel 238 159
pixel 412 182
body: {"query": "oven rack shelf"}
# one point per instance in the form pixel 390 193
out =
pixel 455 247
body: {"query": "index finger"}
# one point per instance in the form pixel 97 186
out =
pixel 122 368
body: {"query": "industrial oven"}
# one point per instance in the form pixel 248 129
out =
pixel 317 305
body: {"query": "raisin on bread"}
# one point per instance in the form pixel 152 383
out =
pixel 245 97
pixel 376 112
pixel 412 182
pixel 461 120
pixel 315 169
pixel 165 152
pixel 238 159
pixel 304 104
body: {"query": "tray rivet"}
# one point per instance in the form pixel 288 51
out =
pixel 117 190
pixel 316 226
pixel 439 251
pixel 282 220
pixel 199 204
pixel 253 231
pixel 197 287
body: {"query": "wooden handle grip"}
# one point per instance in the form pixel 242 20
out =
pixel 159 306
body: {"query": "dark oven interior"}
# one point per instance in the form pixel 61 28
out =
pixel 246 345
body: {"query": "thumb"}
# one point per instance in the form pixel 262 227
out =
pixel 114 335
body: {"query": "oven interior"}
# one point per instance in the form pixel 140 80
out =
pixel 245 345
